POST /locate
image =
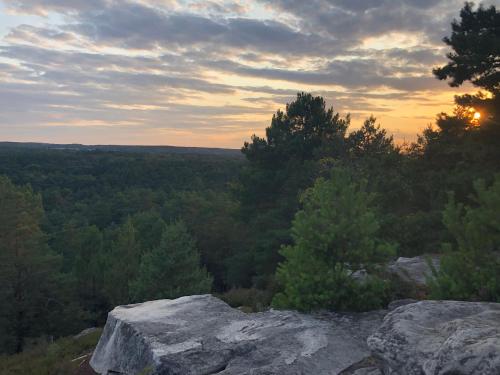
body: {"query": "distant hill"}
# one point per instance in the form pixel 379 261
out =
pixel 127 149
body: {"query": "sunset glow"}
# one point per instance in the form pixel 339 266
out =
pixel 213 73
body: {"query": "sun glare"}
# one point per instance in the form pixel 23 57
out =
pixel 475 116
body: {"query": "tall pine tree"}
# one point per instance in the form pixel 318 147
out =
pixel 123 263
pixel 28 270
pixel 89 270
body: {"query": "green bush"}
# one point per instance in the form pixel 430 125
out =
pixel 470 270
pixel 335 234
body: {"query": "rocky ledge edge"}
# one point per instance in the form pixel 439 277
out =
pixel 202 335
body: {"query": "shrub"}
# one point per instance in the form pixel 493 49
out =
pixel 470 268
pixel 335 234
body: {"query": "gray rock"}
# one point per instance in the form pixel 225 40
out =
pixel 202 335
pixel 368 371
pixel 367 366
pixel 413 270
pixel 400 302
pixel 360 275
pixel 438 338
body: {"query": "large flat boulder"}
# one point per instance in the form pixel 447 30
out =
pixel 438 338
pixel 201 335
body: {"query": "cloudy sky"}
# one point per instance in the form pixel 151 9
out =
pixel 212 73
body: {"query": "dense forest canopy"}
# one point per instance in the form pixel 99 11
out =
pixel 312 203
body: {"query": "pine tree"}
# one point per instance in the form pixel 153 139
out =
pixel 123 263
pixel 470 270
pixel 475 57
pixel 149 227
pixel 89 268
pixel 334 235
pixel 475 41
pixel 172 269
pixel 28 270
pixel 280 165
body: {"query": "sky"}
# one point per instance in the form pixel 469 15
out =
pixel 212 73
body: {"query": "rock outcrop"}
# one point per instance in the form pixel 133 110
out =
pixel 414 270
pixel 201 335
pixel 438 338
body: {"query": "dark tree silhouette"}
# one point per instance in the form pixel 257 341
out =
pixel 475 41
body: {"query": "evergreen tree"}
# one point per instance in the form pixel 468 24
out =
pixel 172 269
pixel 465 146
pixel 370 141
pixel 373 156
pixel 122 263
pixel 149 227
pixel 475 41
pixel 28 270
pixel 89 269
pixel 280 166
pixel 211 217
pixel 470 270
pixel 306 130
pixel 334 235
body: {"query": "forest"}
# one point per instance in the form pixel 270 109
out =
pixel 287 225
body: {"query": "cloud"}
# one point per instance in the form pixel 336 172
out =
pixel 132 25
pixel 42 7
pixel 352 74
pixel 354 20
pixel 108 72
pixel 216 66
